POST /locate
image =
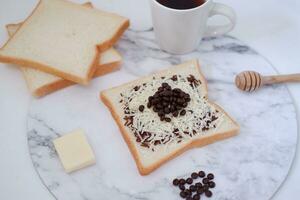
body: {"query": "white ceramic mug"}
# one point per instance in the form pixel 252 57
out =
pixel 180 31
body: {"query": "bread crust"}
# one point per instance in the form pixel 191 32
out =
pixel 192 144
pixel 48 69
pixel 60 84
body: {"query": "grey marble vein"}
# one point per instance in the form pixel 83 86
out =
pixel 251 165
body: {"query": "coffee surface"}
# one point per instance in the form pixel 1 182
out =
pixel 181 4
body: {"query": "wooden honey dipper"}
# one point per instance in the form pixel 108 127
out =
pixel 251 80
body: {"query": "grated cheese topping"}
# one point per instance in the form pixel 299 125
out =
pixel 152 133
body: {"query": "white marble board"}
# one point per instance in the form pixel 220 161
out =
pixel 250 166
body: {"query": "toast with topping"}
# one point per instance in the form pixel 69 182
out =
pixel 41 83
pixel 64 39
pixel 163 115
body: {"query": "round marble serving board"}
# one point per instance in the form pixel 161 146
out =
pixel 250 166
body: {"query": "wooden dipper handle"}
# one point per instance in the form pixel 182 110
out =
pixel 251 80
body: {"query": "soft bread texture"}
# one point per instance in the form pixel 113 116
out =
pixel 64 39
pixel 147 164
pixel 41 83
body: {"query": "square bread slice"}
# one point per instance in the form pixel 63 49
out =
pixel 64 39
pixel 153 142
pixel 41 83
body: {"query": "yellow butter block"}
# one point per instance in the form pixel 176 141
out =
pixel 74 151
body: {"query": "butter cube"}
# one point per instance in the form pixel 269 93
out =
pixel 74 151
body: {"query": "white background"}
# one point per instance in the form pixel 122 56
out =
pixel 271 27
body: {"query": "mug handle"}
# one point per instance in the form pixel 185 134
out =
pixel 226 11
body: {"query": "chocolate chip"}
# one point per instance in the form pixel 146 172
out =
pixel 167 110
pixel 210 176
pixel 162 118
pixel 183 194
pixel 189 180
pixel 182 113
pixel 194 175
pixel 155 101
pixel 181 187
pixel 208 193
pixel 167 119
pixel 176 90
pixel 212 184
pixel 175 181
pixel 178 107
pixel 182 181
pixel 159 106
pixel 189 198
pixel 150 98
pixel 141 108
pixel 184 104
pixel 205 180
pixel 193 188
pixel 196 197
pixel 164 85
pixel 175 113
pixel 161 113
pixel 169 101
pixel 201 174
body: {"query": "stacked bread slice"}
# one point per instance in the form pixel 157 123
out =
pixel 62 43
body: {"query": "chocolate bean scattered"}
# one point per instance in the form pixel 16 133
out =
pixel 200 190
pixel 189 180
pixel 183 194
pixel 205 180
pixel 205 187
pixel 208 193
pixel 188 192
pixel 210 176
pixel 212 184
pixel 196 197
pixel 194 191
pixel 167 100
pixel 175 182
pixel 181 187
pixel 194 175
pixel 141 108
pixel 193 188
pixel 201 174
pixel 198 184
pixel 182 181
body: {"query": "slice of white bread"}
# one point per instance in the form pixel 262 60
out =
pixel 64 39
pixel 141 129
pixel 41 83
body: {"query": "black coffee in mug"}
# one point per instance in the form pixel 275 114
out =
pixel 181 4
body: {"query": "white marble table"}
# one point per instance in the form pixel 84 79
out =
pixel 276 39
